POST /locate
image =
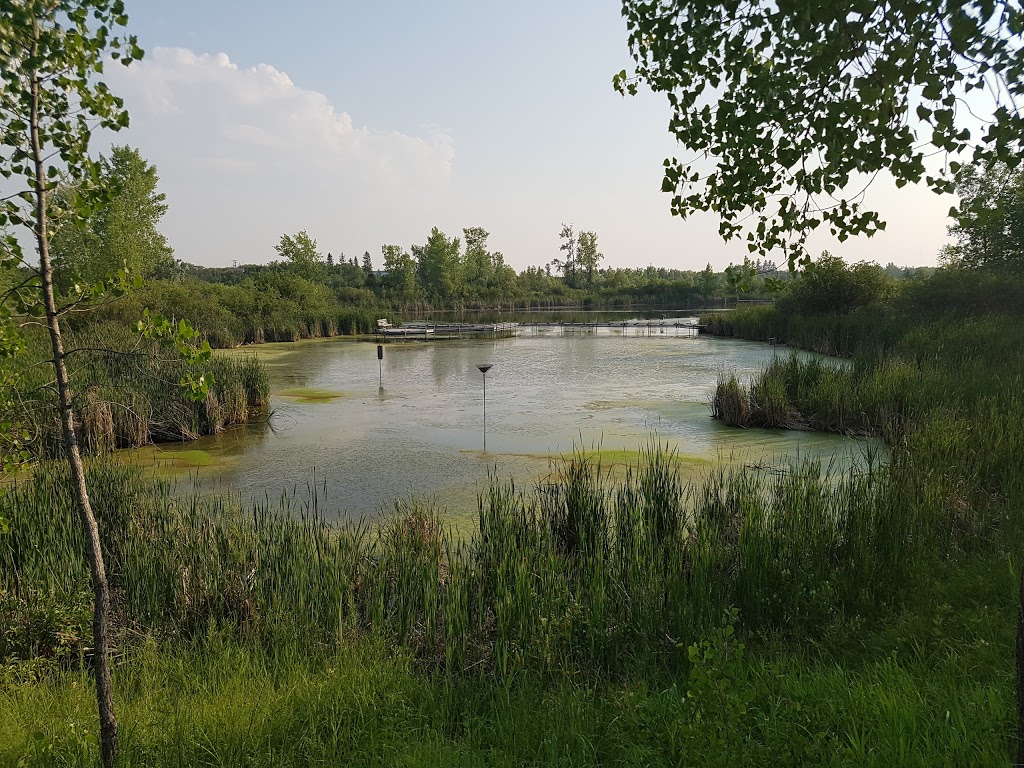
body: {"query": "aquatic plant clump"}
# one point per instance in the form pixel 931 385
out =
pixel 129 394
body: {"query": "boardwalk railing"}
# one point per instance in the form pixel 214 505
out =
pixel 424 330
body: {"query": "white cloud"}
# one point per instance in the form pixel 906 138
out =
pixel 244 154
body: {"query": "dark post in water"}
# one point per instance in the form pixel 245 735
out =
pixel 484 369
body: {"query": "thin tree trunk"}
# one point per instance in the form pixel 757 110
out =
pixel 1020 674
pixel 94 551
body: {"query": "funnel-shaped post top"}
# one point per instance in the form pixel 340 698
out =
pixel 485 368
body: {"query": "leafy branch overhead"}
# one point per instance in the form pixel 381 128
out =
pixel 791 109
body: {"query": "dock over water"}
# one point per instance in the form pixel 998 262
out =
pixel 427 331
pixel 435 331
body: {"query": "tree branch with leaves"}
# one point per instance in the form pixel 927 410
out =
pixel 791 109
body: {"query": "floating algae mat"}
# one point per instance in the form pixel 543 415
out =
pixel 311 394
pixel 620 459
pixel 175 460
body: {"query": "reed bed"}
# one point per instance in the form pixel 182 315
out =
pixel 231 315
pixel 128 393
pixel 942 390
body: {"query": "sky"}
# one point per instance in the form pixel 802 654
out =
pixel 369 123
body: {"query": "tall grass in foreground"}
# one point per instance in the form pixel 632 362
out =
pixel 228 703
pixel 584 572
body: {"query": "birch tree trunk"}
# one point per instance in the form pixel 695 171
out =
pixel 90 529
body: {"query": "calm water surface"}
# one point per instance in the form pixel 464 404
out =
pixel 420 433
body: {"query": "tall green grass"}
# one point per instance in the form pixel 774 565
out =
pixel 225 703
pixel 267 635
pixel 942 390
pixel 585 572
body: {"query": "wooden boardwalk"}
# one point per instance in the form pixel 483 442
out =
pixel 638 324
pixel 423 331
pixel 434 331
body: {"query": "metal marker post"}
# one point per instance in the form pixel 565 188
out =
pixel 380 363
pixel 484 369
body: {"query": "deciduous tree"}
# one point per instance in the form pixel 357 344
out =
pixel 439 265
pixel 790 108
pixel 567 266
pixel 52 57
pixel 830 286
pixel 990 229
pixel 587 255
pixel 478 267
pixel 740 277
pixel 121 231
pixel 300 250
pixel 400 269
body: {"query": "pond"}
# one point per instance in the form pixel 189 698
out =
pixel 363 444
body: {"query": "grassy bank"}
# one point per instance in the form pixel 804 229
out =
pixel 941 387
pixel 932 688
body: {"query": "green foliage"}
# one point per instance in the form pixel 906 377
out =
pixel 990 226
pixel 722 720
pixel 130 391
pixel 829 286
pixel 51 56
pixel 120 232
pixel 568 265
pixel 57 48
pixel 235 703
pixel 301 252
pixel 587 255
pixel 939 385
pixel 400 267
pixel 44 630
pixel 192 351
pixel 707 283
pixel 740 277
pixel 439 265
pixel 787 106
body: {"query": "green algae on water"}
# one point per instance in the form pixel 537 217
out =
pixel 312 394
